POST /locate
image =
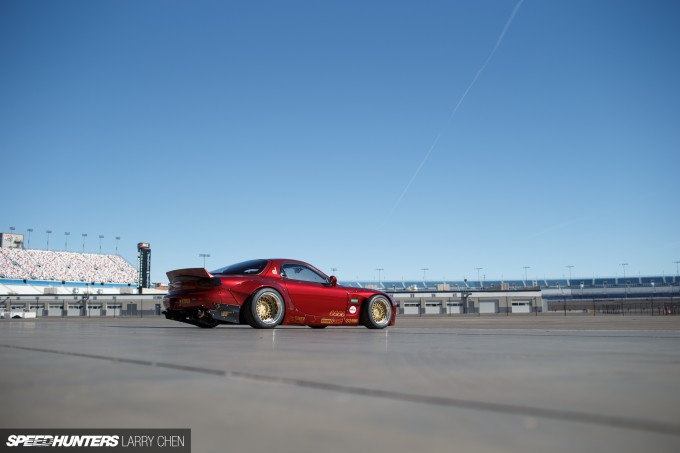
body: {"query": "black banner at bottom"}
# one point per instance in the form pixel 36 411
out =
pixel 108 440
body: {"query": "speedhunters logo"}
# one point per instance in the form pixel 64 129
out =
pixel 45 440
pixel 112 440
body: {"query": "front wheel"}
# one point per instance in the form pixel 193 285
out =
pixel 377 312
pixel 266 309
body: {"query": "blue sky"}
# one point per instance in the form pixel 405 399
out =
pixel 292 129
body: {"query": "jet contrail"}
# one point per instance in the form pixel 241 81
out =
pixel 460 101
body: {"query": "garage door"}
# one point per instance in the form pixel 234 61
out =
pixel 74 310
pixel 412 308
pixel 113 309
pixel 433 308
pixel 54 310
pixel 38 309
pixel 521 306
pixel 488 306
pixel 94 310
pixel 455 309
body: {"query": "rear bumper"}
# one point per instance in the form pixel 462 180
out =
pixel 221 314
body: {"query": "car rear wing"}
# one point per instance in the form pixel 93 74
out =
pixel 190 272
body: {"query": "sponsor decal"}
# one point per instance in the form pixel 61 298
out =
pixel 331 321
pixel 336 313
pixel 352 309
pixel 113 440
pixel 351 321
pixel 274 271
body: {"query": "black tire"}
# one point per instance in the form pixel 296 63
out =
pixel 376 312
pixel 266 309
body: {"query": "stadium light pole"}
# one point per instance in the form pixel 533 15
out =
pixel 478 280
pixel 117 239
pixel 425 269
pixel 570 266
pixel 380 269
pixel 100 243
pixel 204 256
pixel 66 235
pixel 84 236
pixel 623 265
pixel 30 230
pixel 677 268
pixel 525 274
pixel 48 238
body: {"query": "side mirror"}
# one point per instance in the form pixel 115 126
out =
pixel 333 280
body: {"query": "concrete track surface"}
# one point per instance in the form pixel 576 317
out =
pixel 475 384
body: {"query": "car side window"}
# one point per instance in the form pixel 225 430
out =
pixel 301 273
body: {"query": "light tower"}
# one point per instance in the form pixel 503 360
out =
pixel 525 274
pixel 143 266
pixel 478 280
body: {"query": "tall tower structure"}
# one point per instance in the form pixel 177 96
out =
pixel 143 266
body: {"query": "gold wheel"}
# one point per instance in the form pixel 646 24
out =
pixel 378 312
pixel 268 308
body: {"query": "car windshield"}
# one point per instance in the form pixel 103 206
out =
pixel 245 268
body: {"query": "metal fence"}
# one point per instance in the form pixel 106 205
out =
pixel 622 307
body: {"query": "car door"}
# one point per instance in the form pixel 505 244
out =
pixel 311 293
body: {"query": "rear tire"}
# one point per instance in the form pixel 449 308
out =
pixel 266 309
pixel 376 312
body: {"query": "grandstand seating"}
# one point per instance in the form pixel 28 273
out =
pixel 65 266
pixel 520 284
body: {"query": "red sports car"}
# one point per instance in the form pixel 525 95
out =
pixel 267 293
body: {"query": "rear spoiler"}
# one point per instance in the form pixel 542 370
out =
pixel 191 272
